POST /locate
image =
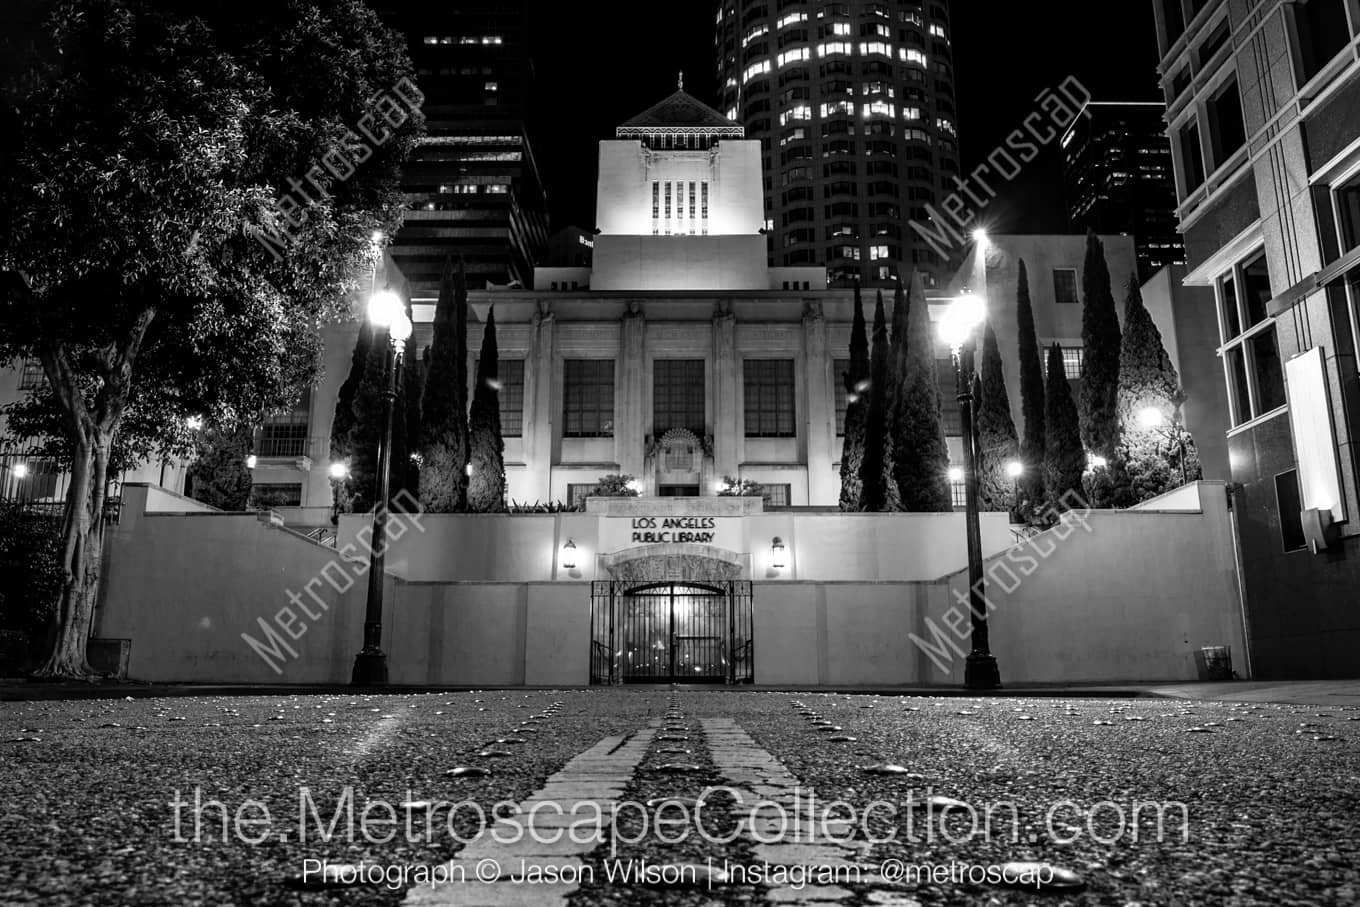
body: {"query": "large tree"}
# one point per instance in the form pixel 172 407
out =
pixel 878 490
pixel 1100 338
pixel 1151 448
pixel 920 451
pixel 160 253
pixel 1064 459
pixel 998 446
pixel 486 485
pixel 413 391
pixel 855 382
pixel 444 431
pixel 1032 446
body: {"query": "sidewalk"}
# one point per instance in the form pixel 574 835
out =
pixel 1336 693
pixel 1340 693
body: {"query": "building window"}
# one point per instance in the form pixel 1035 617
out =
pixel 656 207
pixel 510 397
pixel 958 493
pixel 267 496
pixel 1251 357
pixel 1348 212
pixel 1192 156
pixel 678 395
pixel 32 377
pixel 1227 130
pixel 669 187
pixel 1065 286
pixel 577 494
pixel 285 434
pixel 775 495
pixel 1323 33
pixel 769 394
pixel 839 368
pixel 588 398
pixel 1289 505
pixel 1074 362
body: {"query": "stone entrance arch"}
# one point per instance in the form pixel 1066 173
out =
pixel 675 563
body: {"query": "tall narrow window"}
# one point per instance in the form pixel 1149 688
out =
pixel 1227 129
pixel 669 187
pixel 511 397
pixel 704 191
pixel 769 397
pixel 656 207
pixel 588 398
pixel 285 434
pixel 1192 156
pixel 692 206
pixel 1065 286
pixel 678 395
pixel 839 367
pixel 1252 366
pixel 1323 33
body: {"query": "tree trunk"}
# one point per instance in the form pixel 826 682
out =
pixel 82 549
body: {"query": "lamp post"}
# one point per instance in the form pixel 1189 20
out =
pixel 1151 419
pixel 958 329
pixel 385 310
pixel 1015 469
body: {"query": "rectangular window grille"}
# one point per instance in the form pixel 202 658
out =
pixel 678 395
pixel 588 398
pixel 769 398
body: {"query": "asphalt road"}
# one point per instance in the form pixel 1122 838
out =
pixel 1132 801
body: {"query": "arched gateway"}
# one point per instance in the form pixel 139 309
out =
pixel 672 613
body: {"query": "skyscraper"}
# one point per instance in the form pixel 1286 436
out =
pixel 1118 179
pixel 853 104
pixel 472 186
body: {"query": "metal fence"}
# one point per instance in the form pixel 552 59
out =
pixel 672 632
pixel 34 481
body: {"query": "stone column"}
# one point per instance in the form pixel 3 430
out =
pixel 630 408
pixel 538 401
pixel 823 483
pixel 727 398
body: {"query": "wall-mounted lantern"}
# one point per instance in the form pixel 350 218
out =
pixel 777 553
pixel 569 555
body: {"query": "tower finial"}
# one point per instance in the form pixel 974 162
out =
pixel 681 84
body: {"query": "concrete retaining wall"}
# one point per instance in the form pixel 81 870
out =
pixel 1118 596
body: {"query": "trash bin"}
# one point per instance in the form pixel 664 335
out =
pixel 1217 662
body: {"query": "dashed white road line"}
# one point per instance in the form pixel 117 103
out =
pixel 554 828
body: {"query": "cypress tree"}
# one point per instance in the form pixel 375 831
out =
pixel 997 442
pixel 856 382
pixel 443 448
pixel 920 451
pixel 366 432
pixel 1032 448
pixel 344 401
pixel 219 476
pixel 1101 338
pixel 878 490
pixel 1148 380
pixel 486 486
pixel 1064 460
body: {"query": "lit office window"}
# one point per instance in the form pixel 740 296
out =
pixel 912 55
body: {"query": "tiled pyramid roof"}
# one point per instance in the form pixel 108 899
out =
pixel 680 111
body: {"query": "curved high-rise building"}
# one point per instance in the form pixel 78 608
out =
pixel 853 104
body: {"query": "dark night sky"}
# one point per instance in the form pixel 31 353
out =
pixel 593 74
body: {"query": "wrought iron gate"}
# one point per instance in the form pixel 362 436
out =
pixel 671 633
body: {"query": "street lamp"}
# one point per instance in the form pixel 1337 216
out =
pixel 1151 419
pixel 385 311
pixel 958 329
